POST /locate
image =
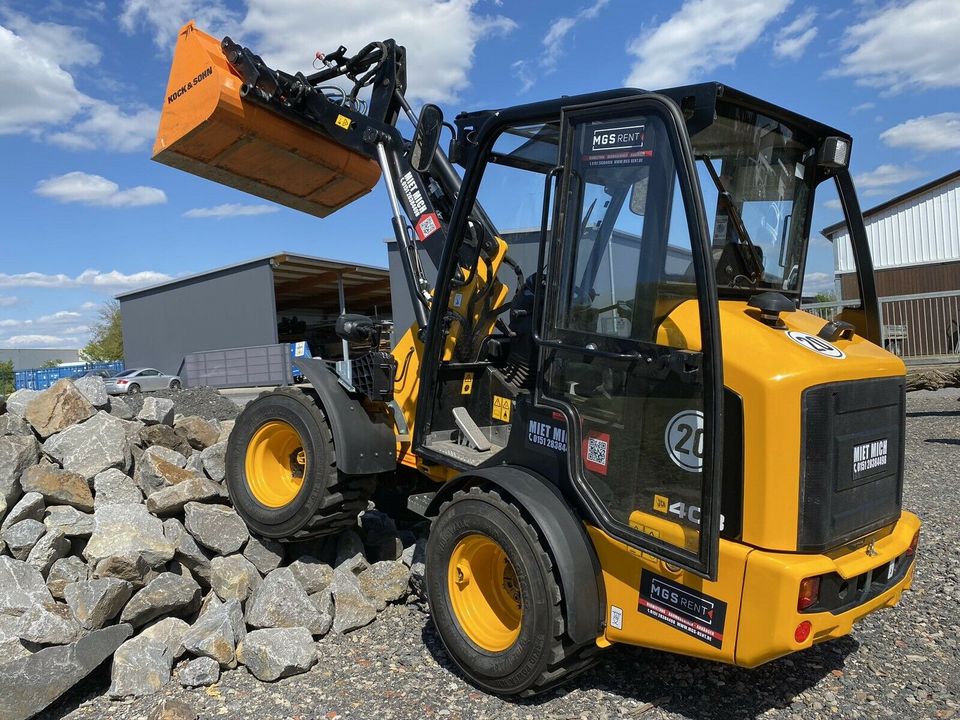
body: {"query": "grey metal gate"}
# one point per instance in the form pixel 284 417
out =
pixel 239 367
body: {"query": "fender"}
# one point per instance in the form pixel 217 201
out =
pixel 564 534
pixel 364 445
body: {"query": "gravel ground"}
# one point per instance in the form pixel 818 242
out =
pixel 203 401
pixel 903 663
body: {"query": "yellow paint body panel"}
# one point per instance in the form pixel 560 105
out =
pixel 208 130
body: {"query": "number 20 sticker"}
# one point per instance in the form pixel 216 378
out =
pixel 684 440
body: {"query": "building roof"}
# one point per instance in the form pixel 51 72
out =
pixel 949 177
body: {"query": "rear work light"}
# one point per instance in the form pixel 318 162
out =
pixel 809 592
pixel 911 551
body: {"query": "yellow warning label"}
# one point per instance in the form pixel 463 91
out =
pixel 467 387
pixel 660 503
pixel 501 408
pixel 343 121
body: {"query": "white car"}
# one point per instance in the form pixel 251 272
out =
pixel 130 382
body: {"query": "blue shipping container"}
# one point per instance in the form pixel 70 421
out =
pixel 42 378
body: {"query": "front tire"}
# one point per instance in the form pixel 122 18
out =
pixel 174 384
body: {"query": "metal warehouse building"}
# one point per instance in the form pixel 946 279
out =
pixel 273 299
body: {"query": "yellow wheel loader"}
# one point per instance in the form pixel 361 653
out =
pixel 631 434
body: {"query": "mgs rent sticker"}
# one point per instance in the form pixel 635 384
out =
pixel 816 344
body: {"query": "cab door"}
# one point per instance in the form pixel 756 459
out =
pixel 629 336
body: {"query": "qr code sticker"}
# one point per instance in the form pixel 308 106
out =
pixel 597 451
pixel 427 226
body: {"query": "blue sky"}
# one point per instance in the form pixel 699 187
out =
pixel 87 214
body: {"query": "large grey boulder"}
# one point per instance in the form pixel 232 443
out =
pixel 95 602
pixel 52 625
pixel 58 487
pixel 215 461
pixel 65 571
pixel 199 672
pixel 160 467
pixel 17 402
pixel 22 536
pixel 216 527
pixel 188 553
pixel 171 500
pixel 216 633
pixel 29 684
pixel 199 433
pixel 11 646
pixel 264 553
pixel 278 652
pixel 128 529
pixel 312 574
pixel 323 602
pixel 21 587
pixel 29 507
pixel 170 630
pixel 353 608
pixel 112 487
pixel 233 577
pixel 166 594
pixel 385 582
pixel 226 427
pixel 68 520
pixel 57 408
pixel 91 447
pixel 280 601
pixel 50 548
pixel 164 436
pixel 11 424
pixel 129 566
pixel 141 666
pixel 94 390
pixel 17 453
pixel 119 408
pixel 156 411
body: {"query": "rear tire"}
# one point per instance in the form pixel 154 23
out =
pixel 282 470
pixel 134 389
pixel 502 649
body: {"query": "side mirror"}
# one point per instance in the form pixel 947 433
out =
pixel 426 138
pixel 355 328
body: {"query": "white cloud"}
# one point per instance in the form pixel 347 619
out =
pixel 795 37
pixel 164 19
pixel 230 210
pixel 927 133
pixel 879 180
pixel 62 44
pixel 42 341
pixel 113 280
pixel 701 36
pixel 816 282
pixel 80 187
pixel 107 126
pixel 861 107
pixel 904 45
pixel 8 300
pixel 833 204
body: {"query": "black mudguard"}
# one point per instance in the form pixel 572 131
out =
pixel 365 445
pixel 564 534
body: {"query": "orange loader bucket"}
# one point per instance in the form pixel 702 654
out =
pixel 208 130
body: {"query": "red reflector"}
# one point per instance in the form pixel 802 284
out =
pixel 913 543
pixel 809 592
pixel 802 632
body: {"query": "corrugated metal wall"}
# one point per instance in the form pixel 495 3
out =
pixel 922 229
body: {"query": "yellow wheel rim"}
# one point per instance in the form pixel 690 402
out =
pixel 275 464
pixel 484 593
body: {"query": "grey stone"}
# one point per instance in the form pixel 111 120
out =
pixel 356 564
pixel 17 453
pixel 11 646
pixel 164 436
pixel 11 424
pixel 167 594
pixel 280 601
pixel 323 602
pixel 132 429
pixel 353 608
pixel 57 408
pixel 171 500
pixel 53 546
pixel 94 390
pixel 199 433
pixel 91 447
pixel 29 684
pixel 214 461
pixel 58 487
pixel 264 553
pixel 21 587
pixel 226 427
pixel 125 529
pixel 119 408
pixel 199 672
pixel 171 709
pixel 390 547
pixel 22 536
pixel 216 633
pixel 191 555
pixel 68 520
pixel 385 582
pixel 112 487
pixel 233 577
pixel 17 402
pixel 95 602
pixel 65 571
pixel 216 527
pixel 312 574
pixel 195 463
pixel 128 566
pixel 415 557
pixel 160 467
pixel 156 411
pixel 29 507
pixel 51 625
pixel 141 666
pixel 170 630
pixel 349 545
pixel 278 652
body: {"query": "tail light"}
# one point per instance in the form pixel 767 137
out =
pixel 911 551
pixel 809 592
pixel 121 382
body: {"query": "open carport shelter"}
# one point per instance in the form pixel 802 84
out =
pixel 273 299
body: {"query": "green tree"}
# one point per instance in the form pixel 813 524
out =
pixel 6 377
pixel 826 297
pixel 106 342
pixel 50 364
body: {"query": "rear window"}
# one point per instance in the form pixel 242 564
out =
pixel 126 373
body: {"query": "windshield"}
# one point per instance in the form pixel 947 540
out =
pixel 755 174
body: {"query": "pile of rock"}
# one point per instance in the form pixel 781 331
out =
pixel 932 378
pixel 117 538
